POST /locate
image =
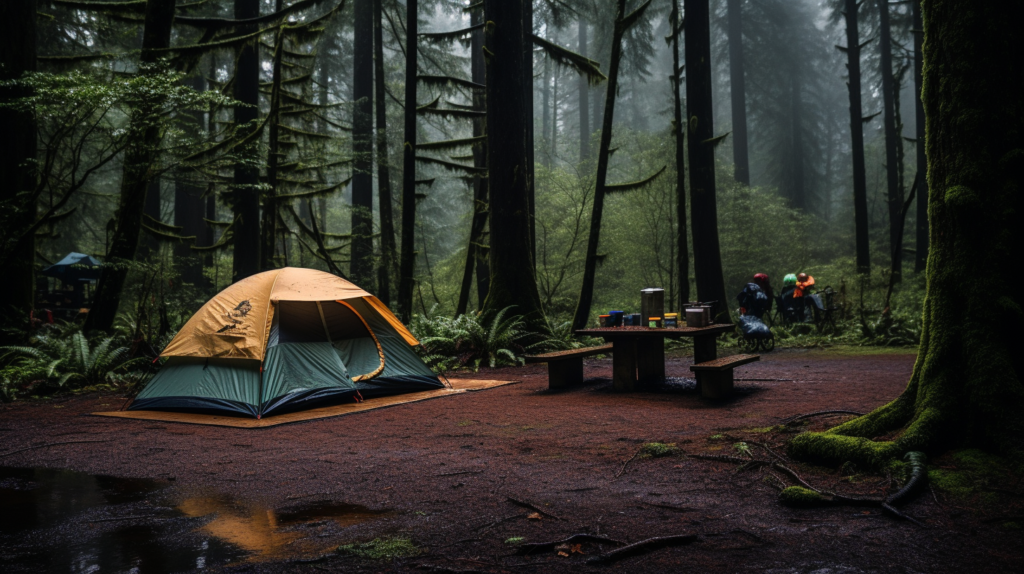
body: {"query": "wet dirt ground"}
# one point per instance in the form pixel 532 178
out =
pixel 464 477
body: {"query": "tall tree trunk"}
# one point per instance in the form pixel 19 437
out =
pixel 189 204
pixel 584 98
pixel 967 388
pixel 481 185
pixel 408 263
pixel 894 197
pixel 245 195
pixel 18 174
pixel 388 251
pixel 678 131
pixel 707 258
pixel 361 270
pixel 738 90
pixel 141 154
pixel 860 194
pixel 546 113
pixel 921 255
pixel 269 226
pixel 531 149
pixel 513 280
pixel 798 194
pixel 553 143
pixel 586 299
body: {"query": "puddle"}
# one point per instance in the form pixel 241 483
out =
pixel 64 521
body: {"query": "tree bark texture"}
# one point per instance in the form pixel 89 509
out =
pixel 531 148
pixel 269 225
pixel 860 193
pixel 966 388
pixel 190 206
pixel 678 131
pixel 707 259
pixel 584 98
pixel 361 270
pixel 388 270
pixel 17 152
pixel 894 196
pixel 586 299
pixel 407 269
pixel 921 255
pixel 141 153
pixel 245 195
pixel 513 281
pixel 738 92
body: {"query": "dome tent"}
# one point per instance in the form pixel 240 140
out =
pixel 286 340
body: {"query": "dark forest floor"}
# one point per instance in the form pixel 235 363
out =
pixel 443 473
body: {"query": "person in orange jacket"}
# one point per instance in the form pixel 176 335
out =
pixel 804 282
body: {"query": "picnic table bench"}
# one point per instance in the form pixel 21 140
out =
pixel 714 377
pixel 565 368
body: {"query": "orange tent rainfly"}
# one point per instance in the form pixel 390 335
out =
pixel 285 340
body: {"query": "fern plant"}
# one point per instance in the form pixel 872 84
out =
pixel 471 341
pixel 61 361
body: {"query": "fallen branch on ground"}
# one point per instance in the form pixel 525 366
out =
pixel 532 507
pixel 629 460
pixel 641 547
pixel 525 549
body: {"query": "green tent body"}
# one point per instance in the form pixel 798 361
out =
pixel 245 356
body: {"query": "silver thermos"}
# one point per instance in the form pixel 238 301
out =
pixel 652 304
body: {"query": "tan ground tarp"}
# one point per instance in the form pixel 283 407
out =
pixel 458 386
pixel 235 323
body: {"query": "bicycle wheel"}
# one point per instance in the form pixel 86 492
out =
pixel 767 345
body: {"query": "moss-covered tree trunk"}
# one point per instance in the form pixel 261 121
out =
pixel 513 280
pixel 921 255
pixel 894 197
pixel 388 269
pixel 967 384
pixel 361 267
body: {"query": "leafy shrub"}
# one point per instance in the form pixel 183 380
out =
pixel 65 360
pixel 469 340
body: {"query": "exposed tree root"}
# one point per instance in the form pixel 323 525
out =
pixel 641 547
pixel 532 507
pixel 629 460
pixel 819 414
pixel 525 549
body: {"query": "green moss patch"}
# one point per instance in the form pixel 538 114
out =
pixel 658 449
pixel 381 548
pixel 800 497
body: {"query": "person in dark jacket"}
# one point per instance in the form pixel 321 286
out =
pixel 753 300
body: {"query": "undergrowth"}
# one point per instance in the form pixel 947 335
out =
pixel 381 548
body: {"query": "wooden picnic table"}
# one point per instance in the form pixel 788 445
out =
pixel 638 353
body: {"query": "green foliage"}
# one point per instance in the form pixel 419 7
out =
pixel 381 548
pixel 515 540
pixel 471 341
pixel 64 359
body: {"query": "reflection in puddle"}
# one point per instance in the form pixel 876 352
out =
pixel 63 521
pixel 266 534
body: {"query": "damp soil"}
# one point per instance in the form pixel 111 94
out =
pixel 467 478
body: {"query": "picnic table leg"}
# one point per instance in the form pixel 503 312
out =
pixel 650 360
pixel 624 364
pixel 705 348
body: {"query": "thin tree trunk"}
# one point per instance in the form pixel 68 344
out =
pixel 682 248
pixel 361 266
pixel 738 90
pixel 584 98
pixel 388 250
pixel 553 144
pixel 245 195
pixel 17 151
pixel 798 195
pixel 966 389
pixel 586 299
pixel 546 112
pixel 481 185
pixel 860 194
pixel 921 255
pixel 408 263
pixel 269 224
pixel 140 155
pixel 707 259
pixel 513 280
pixel 895 197
pixel 189 204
